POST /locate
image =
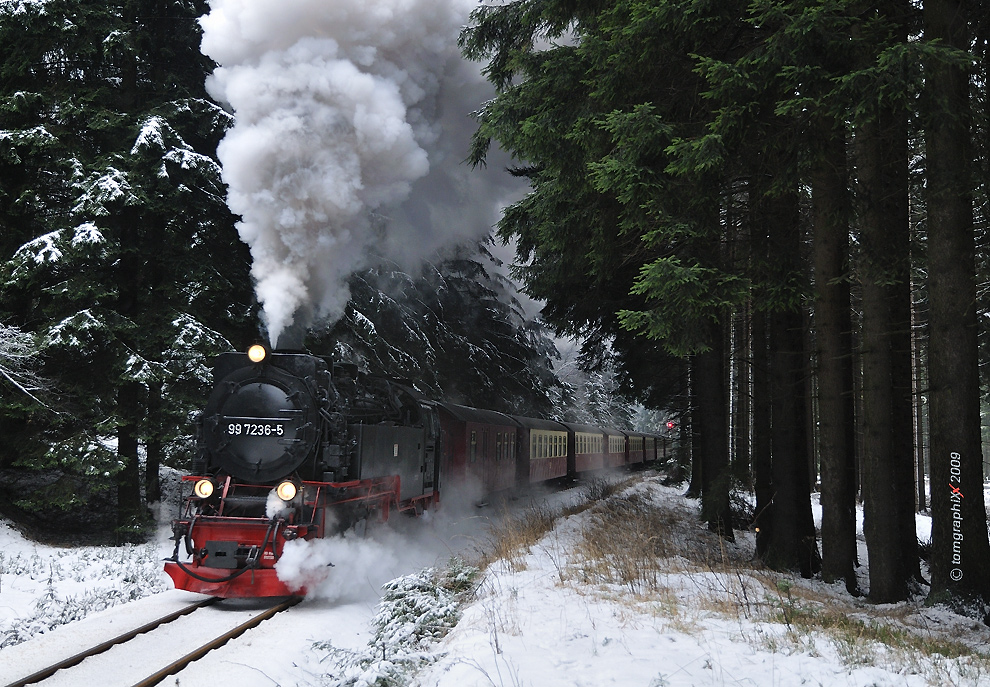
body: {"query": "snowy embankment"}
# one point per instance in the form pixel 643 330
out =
pixel 591 587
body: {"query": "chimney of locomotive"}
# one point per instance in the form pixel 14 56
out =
pixel 293 337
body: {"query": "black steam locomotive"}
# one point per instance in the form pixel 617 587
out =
pixel 293 447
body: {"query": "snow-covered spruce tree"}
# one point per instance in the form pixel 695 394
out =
pixel 118 249
pixel 598 399
pixel 456 331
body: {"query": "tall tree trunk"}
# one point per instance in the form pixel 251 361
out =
pixel 131 274
pixel 711 430
pixel 740 458
pixel 694 425
pixel 793 543
pixel 878 271
pixel 895 202
pixel 888 456
pixel 920 393
pixel 153 460
pixel 960 549
pixel 833 331
pixel 762 461
pixel 130 515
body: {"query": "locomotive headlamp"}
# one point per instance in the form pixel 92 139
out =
pixel 257 353
pixel 204 488
pixel 286 490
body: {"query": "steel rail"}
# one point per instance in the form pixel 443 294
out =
pixel 100 648
pixel 216 643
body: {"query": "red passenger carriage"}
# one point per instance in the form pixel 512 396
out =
pixel 543 452
pixel 635 448
pixel 479 447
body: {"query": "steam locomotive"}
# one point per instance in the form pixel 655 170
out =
pixel 293 447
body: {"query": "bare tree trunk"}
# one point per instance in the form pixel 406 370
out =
pixel 920 393
pixel 711 425
pixel 153 459
pixel 793 543
pixel 895 202
pixel 833 325
pixel 130 514
pixel 888 452
pixel 741 466
pixel 960 549
pixel 762 461
pixel 697 462
pixel 878 271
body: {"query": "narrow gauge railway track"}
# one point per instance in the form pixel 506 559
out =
pixel 52 674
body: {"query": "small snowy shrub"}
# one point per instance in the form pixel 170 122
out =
pixel 120 574
pixel 415 612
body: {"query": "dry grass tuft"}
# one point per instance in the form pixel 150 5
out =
pixel 511 536
pixel 627 542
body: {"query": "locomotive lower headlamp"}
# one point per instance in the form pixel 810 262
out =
pixel 257 353
pixel 286 490
pixel 204 488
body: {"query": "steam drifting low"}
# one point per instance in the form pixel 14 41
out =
pixel 351 120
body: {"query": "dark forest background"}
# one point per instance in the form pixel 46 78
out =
pixel 766 219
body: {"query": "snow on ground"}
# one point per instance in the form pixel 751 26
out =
pixel 565 610
pixel 545 621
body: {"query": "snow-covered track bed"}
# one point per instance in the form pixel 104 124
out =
pixel 126 648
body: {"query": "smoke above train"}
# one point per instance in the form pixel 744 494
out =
pixel 351 124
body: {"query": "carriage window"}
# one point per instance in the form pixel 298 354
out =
pixel 474 446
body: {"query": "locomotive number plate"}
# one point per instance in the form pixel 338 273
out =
pixel 254 427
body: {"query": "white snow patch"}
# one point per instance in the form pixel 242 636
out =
pixel 86 233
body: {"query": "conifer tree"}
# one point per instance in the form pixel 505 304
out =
pixel 120 252
pixel 610 238
pixel 455 331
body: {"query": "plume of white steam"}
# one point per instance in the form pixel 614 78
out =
pixel 353 566
pixel 343 568
pixel 344 111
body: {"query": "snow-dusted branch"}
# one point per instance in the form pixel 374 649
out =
pixel 18 352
